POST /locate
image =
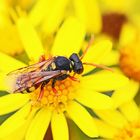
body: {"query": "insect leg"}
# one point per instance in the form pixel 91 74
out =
pixel 53 85
pixel 41 91
pixel 74 78
pixel 42 58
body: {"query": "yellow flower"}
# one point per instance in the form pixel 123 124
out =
pixel 128 60
pixel 47 17
pixel 32 124
pixel 116 14
pixel 8 32
pixel 50 14
pixel 88 12
pixel 119 24
pixel 122 124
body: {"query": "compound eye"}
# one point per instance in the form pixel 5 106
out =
pixel 78 68
pixel 74 57
pixel 79 71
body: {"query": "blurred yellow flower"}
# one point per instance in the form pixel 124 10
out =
pixel 115 14
pixel 119 25
pixel 122 124
pixel 46 17
pixel 129 51
pixel 128 60
pixel 8 32
pixel 88 12
pixel 53 108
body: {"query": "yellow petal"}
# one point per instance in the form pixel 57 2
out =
pixel 3 84
pixel 97 53
pixel 89 13
pixel 8 32
pixel 125 93
pixel 30 39
pixel 112 58
pixel 59 127
pixel 69 38
pixel 40 9
pixel 19 133
pixel 8 63
pixel 94 99
pixel 25 4
pixel 136 18
pixel 104 81
pixel 15 122
pixel 12 102
pixel 112 117
pixel 39 125
pixel 105 130
pixel 130 110
pixel 128 34
pixel 55 16
pixel 3 9
pixel 117 5
pixel 9 35
pixel 85 121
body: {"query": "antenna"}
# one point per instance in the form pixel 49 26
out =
pixel 88 46
pixel 98 66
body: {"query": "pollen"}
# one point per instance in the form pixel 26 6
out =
pixel 130 61
pixel 59 100
pixel 130 131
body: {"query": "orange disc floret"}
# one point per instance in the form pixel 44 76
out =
pixel 130 61
pixel 59 100
pixel 130 131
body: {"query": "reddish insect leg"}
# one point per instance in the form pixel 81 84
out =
pixel 41 92
pixel 42 58
pixel 54 90
pixel 40 95
pixel 74 79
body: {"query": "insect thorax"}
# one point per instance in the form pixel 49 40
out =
pixel 61 63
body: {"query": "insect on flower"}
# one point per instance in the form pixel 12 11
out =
pixel 29 78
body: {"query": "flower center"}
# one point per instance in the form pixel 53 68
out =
pixel 131 131
pixel 130 61
pixel 58 101
pixel 112 24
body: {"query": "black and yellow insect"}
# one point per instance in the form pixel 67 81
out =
pixel 29 78
pixel 57 68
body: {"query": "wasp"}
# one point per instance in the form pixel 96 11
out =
pixel 57 68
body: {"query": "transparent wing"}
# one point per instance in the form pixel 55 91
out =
pixel 32 68
pixel 30 73
pixel 28 80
